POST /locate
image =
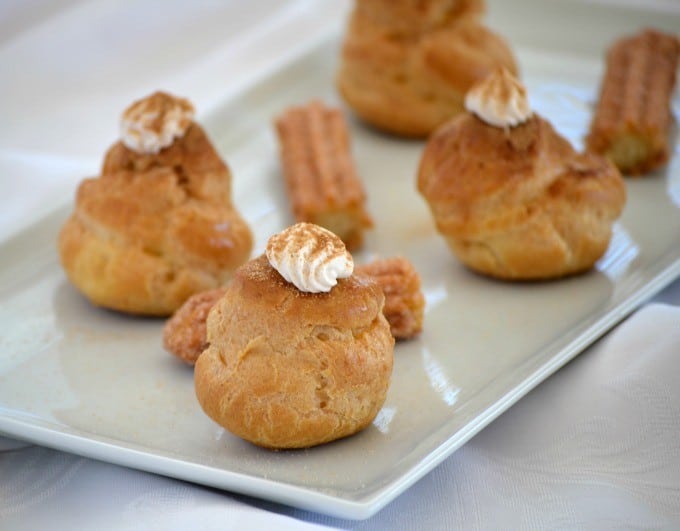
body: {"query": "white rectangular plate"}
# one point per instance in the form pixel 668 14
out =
pixel 99 384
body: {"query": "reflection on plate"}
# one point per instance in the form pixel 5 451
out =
pixel 98 383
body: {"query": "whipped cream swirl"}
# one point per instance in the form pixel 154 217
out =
pixel 153 123
pixel 499 100
pixel 310 257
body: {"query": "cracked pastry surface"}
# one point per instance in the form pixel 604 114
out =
pixel 406 64
pixel 289 369
pixel 155 227
pixel 519 203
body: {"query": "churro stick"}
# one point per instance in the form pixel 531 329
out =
pixel 184 334
pixel 633 115
pixel 404 301
pixel 321 180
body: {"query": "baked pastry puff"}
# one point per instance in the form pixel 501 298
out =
pixel 513 199
pixel 158 224
pixel 299 351
pixel 406 64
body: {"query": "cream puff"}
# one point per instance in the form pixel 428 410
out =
pixel 299 351
pixel 406 65
pixel 512 197
pixel 158 224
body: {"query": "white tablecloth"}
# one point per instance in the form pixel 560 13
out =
pixel 595 446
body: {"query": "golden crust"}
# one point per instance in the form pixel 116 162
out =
pixel 287 369
pixel 199 169
pixel 519 203
pixel 412 18
pixel 633 117
pixel 154 229
pixel 322 183
pixel 406 66
pixel 404 300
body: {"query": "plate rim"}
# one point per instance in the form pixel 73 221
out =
pixel 135 456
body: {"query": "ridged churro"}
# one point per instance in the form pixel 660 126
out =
pixel 184 334
pixel 404 301
pixel 633 116
pixel 322 183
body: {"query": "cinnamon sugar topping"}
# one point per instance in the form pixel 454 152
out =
pixel 499 99
pixel 310 257
pixel 153 123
